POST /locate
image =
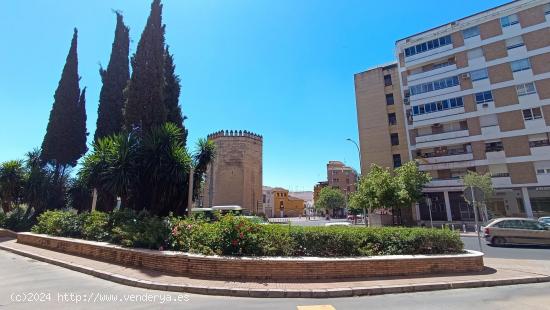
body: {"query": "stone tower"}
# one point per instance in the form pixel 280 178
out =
pixel 235 175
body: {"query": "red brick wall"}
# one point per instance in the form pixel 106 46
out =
pixel 248 268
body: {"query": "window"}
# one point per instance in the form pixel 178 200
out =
pixel 486 96
pixel 435 85
pixel 520 65
pixel 531 114
pixel 475 53
pixel 509 20
pixel 543 171
pixel 389 99
pixel 547 9
pixel 438 106
pixel 387 80
pixel 396 160
pixel 470 32
pixel 394 139
pixel 494 147
pixel 478 75
pixel 392 119
pixel 426 46
pixel 526 89
pixel 514 42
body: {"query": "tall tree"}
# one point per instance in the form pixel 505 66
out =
pixel 62 145
pixel 172 90
pixel 115 79
pixel 145 107
pixel 330 199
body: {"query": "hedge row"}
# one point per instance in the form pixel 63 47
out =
pixel 238 236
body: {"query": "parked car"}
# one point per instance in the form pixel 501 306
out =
pixel 236 210
pixel 338 224
pixel 516 231
pixel 545 220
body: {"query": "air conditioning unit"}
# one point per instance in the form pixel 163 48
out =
pixel 485 105
pixel 406 101
pixel 436 125
pixel 465 76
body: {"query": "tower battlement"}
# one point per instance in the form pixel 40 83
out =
pixel 234 133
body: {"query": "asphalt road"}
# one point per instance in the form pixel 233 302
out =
pixel 46 286
pixel 512 252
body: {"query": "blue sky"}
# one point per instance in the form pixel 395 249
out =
pixel 280 68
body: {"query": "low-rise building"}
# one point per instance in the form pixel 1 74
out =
pixel 286 205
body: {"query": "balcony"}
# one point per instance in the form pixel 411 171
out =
pixel 495 157
pixel 418 77
pixel 523 76
pixel 453 182
pixel 422 57
pixel 501 179
pixel 437 117
pixel 490 131
pixel 445 158
pixel 540 148
pixel 517 52
pixel 443 136
pixel 435 93
pixel 529 99
pixel 538 123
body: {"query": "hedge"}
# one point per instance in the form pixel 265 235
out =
pixel 233 235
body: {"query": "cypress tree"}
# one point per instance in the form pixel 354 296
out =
pixel 115 79
pixel 172 93
pixel 145 104
pixel 79 144
pixel 62 145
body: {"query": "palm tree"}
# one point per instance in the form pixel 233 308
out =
pixel 205 154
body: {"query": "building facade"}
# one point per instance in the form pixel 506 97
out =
pixel 380 117
pixel 476 97
pixel 267 200
pixel 286 205
pixel 235 175
pixel 342 177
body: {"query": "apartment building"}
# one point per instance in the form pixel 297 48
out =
pixel 381 117
pixel 342 177
pixel 475 96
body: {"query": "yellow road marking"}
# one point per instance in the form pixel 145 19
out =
pixel 316 307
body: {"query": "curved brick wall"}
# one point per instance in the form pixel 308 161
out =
pixel 249 268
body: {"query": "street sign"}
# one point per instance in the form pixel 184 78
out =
pixel 473 193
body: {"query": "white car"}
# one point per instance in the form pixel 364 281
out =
pixel 338 224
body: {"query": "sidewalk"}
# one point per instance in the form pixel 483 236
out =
pixel 499 272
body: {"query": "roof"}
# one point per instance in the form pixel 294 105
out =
pixel 458 20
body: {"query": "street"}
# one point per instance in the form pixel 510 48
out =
pixel 512 252
pixel 52 287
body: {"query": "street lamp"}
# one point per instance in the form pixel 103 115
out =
pixel 360 172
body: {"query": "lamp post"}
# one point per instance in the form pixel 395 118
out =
pixel 360 173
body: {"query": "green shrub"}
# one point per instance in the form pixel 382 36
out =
pixel 59 223
pixel 139 230
pixel 233 235
pixel 20 218
pixel 95 226
pixel 2 219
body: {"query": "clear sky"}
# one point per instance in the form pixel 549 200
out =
pixel 280 68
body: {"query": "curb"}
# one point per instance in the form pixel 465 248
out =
pixel 280 293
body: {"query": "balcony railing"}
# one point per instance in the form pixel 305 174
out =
pixel 539 143
pixel 500 175
pixel 447 153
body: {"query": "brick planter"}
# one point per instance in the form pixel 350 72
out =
pixel 263 268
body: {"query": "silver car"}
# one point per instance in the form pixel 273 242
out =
pixel 545 220
pixel 516 231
